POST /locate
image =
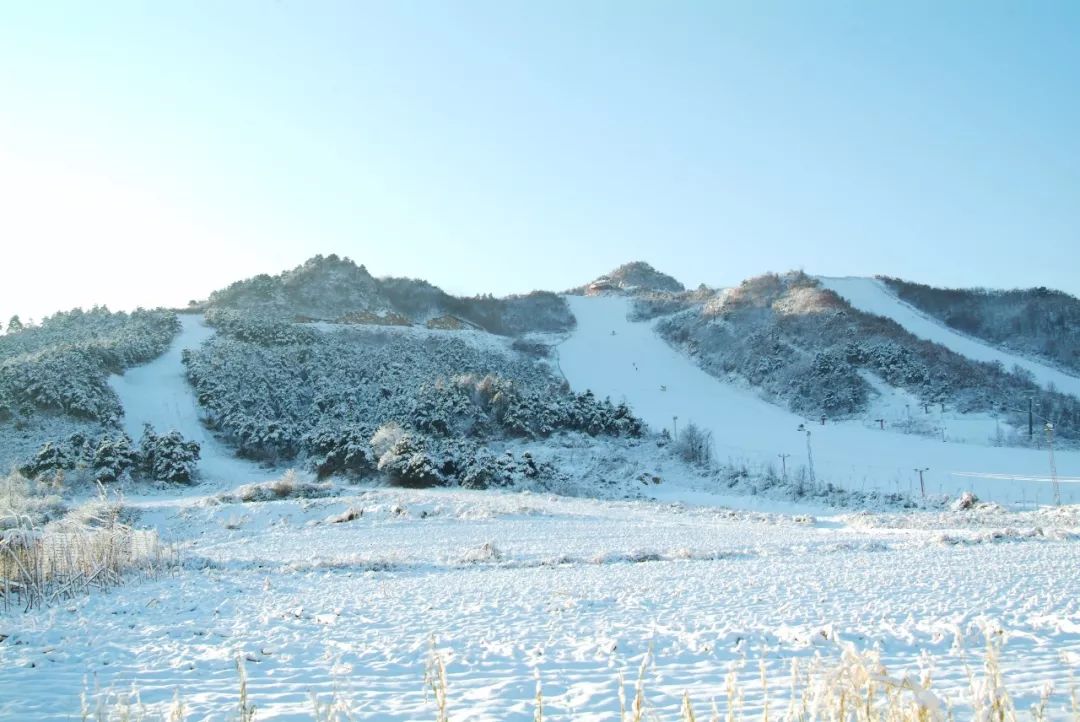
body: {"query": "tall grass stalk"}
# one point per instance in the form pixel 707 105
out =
pixel 435 682
pixel 857 688
pixel 41 565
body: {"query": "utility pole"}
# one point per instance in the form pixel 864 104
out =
pixel 675 420
pixel 922 485
pixel 1053 466
pixel 1031 421
pixel 783 462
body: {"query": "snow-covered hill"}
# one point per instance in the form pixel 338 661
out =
pixel 872 296
pixel 615 357
pixel 819 355
pixel 345 594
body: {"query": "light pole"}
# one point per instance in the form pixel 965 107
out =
pixel 1049 428
pixel 783 462
pixel 675 421
pixel 809 454
pixel 1053 465
pixel 922 485
pixel 1031 421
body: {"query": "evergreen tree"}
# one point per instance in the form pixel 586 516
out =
pixel 114 458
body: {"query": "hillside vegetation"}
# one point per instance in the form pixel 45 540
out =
pixel 412 405
pixel 634 278
pixel 805 347
pixel 374 394
pixel 58 414
pixel 1035 321
pixel 330 288
pixel 62 365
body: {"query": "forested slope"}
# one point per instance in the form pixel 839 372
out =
pixel 806 348
pixel 412 404
pixel 1036 321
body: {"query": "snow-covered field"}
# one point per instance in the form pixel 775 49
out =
pixel 626 360
pixel 510 585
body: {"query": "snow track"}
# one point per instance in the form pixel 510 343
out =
pixel 872 296
pixel 159 394
pixel 628 361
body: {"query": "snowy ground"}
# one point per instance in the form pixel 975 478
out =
pixel 636 365
pixel 578 590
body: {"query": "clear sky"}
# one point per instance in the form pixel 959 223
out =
pixel 153 151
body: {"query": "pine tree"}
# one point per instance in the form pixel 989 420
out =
pixel 113 458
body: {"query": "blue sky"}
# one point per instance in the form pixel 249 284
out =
pixel 151 152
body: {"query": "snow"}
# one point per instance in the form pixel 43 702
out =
pixel 872 296
pixel 321 599
pixel 477 339
pixel 904 411
pixel 509 585
pixel 158 393
pixel 634 364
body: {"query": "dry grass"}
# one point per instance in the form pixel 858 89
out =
pixel 289 486
pixel 24 502
pixel 855 688
pixel 91 547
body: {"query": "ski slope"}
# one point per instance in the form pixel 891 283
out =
pixel 872 296
pixel 634 364
pixel 159 394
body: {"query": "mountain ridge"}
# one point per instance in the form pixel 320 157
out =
pixel 794 341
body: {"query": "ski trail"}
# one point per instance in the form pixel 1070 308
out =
pixel 159 394
pixel 872 296
pixel 660 383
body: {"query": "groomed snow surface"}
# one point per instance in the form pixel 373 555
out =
pixel 626 360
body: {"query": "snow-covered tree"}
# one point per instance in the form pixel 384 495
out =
pixel 114 458
pixel 167 457
pixel 408 463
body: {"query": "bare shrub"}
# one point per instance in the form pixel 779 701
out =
pixel 694 445
pixel 288 486
pixel 386 437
